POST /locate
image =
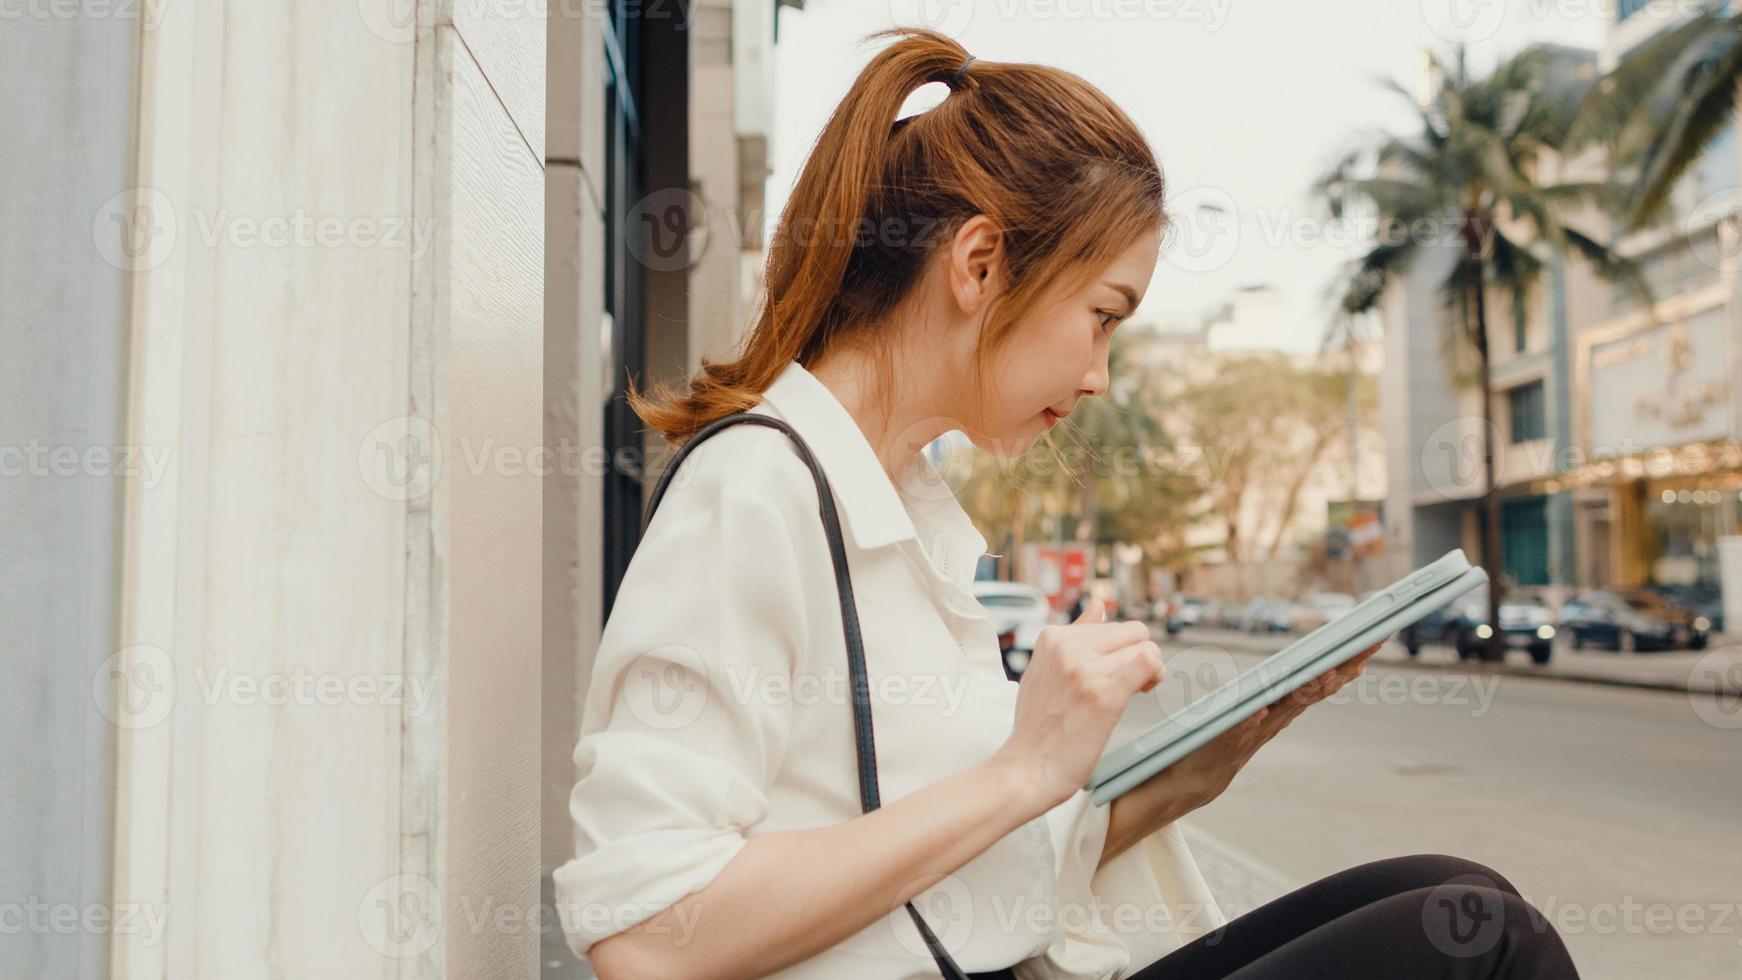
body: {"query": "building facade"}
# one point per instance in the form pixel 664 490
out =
pixel 1656 474
pixel 1618 424
pixel 654 219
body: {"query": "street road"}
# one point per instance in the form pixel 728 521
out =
pixel 1617 812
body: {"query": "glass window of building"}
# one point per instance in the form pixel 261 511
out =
pixel 1529 419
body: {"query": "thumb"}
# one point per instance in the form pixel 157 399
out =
pixel 1094 611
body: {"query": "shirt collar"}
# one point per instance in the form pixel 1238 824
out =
pixel 872 507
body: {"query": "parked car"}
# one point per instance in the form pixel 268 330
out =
pixel 1266 615
pixel 1704 601
pixel 1231 615
pixel 1021 610
pixel 1185 611
pixel 1318 608
pixel 1525 619
pixel 1632 619
pixel 1161 610
pixel 1214 614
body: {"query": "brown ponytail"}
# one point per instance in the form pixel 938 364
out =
pixel 1061 170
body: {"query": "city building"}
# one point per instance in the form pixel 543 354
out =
pixel 654 250
pixel 1656 473
pixel 1617 425
pixel 1433 416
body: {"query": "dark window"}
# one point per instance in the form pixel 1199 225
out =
pixel 1524 539
pixel 1529 420
pixel 623 43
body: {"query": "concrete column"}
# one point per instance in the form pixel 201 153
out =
pixel 329 641
pixel 576 379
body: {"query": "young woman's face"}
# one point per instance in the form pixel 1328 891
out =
pixel 1057 354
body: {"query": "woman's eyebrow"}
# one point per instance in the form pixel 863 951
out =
pixel 1125 291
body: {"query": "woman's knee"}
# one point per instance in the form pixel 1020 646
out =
pixel 1465 919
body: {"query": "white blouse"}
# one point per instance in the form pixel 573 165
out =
pixel 718 710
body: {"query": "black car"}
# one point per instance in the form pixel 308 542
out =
pixel 1704 600
pixel 1632 619
pixel 1525 620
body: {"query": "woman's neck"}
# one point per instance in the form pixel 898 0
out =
pixel 909 424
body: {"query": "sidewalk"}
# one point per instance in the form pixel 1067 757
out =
pixel 1716 670
pixel 1239 881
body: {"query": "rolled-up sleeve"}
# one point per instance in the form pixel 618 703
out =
pixel 686 721
pixel 1117 918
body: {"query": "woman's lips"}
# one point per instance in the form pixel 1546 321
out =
pixel 1050 417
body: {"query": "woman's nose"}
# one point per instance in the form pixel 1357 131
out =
pixel 1095 382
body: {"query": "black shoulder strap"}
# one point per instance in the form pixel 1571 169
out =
pixel 868 795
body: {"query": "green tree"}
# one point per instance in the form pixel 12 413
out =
pixel 1261 428
pixel 1660 107
pixel 1105 465
pixel 1467 177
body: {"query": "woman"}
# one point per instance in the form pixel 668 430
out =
pixel 963 268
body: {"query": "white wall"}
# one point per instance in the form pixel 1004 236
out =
pixel 308 530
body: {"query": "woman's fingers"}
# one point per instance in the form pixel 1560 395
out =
pixel 1108 637
pixel 1094 611
pixel 1137 666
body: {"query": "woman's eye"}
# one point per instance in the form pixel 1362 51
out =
pixel 1107 316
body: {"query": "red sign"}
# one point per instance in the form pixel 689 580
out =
pixel 1059 570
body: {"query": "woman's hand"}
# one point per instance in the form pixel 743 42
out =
pixel 1074 690
pixel 1203 775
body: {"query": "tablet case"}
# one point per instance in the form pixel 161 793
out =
pixel 1286 661
pixel 1182 734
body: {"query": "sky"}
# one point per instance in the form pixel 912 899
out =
pixel 1244 101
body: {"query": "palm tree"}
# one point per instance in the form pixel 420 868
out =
pixel 1661 105
pixel 1351 333
pixel 1470 173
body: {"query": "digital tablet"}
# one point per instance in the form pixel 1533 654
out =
pixel 1370 621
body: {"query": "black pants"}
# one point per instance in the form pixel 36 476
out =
pixel 1420 917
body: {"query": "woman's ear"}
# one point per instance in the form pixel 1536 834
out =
pixel 976 259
